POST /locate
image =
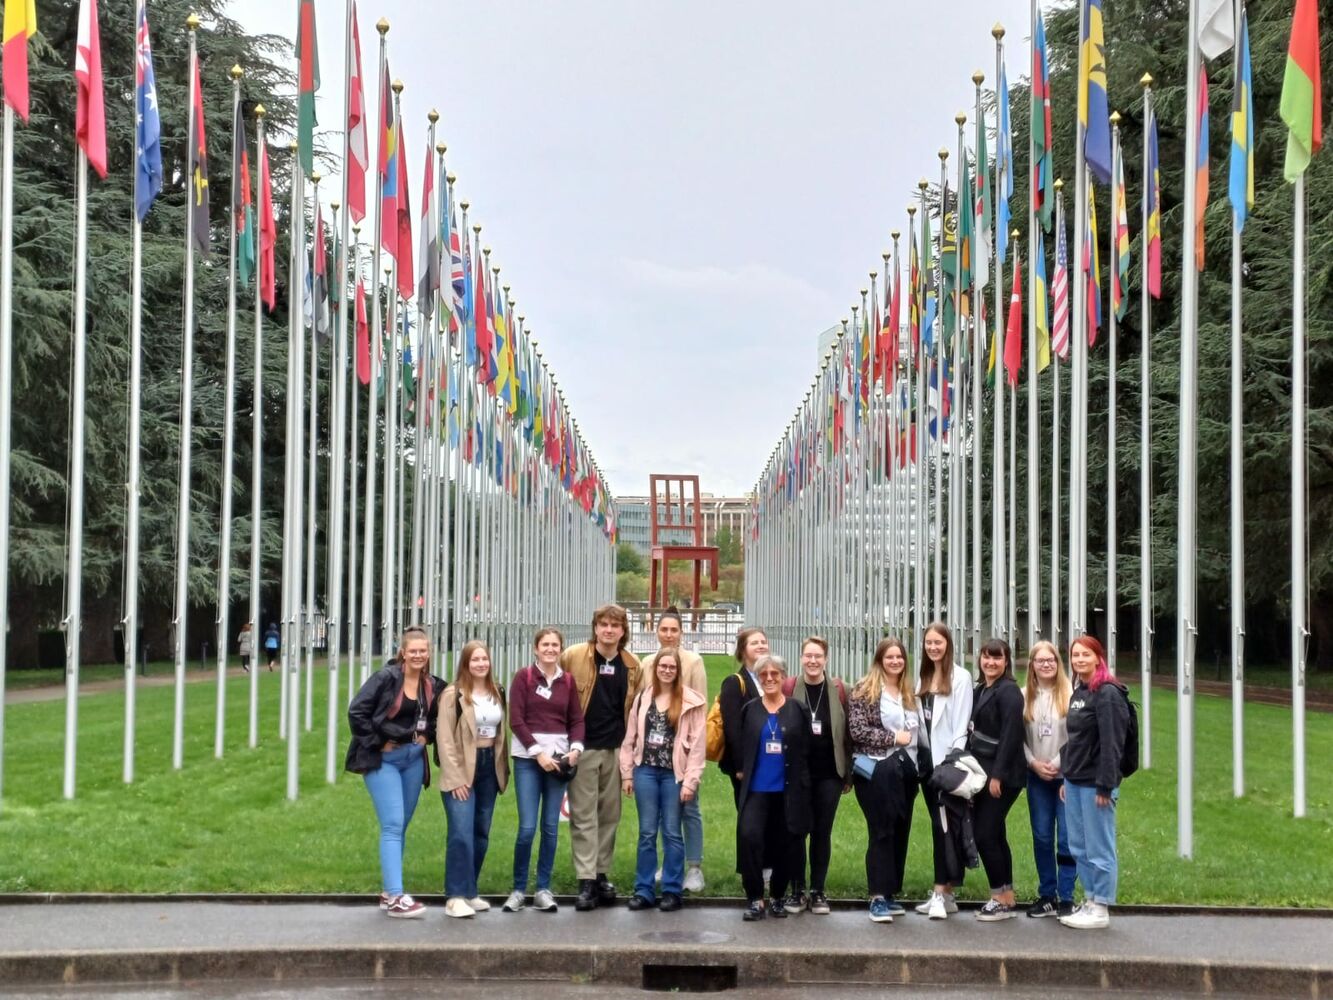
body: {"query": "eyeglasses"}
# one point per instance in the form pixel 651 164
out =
pixel 1044 661
pixel 667 666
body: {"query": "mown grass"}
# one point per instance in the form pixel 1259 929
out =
pixel 226 826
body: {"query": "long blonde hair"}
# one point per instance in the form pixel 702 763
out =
pixel 1063 689
pixel 871 686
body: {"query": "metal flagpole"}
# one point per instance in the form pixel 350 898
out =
pixel 256 449
pixel 186 431
pixel 1079 346
pixel 1145 460
pixel 295 471
pixel 978 378
pixel 1299 553
pixel 228 440
pixel 6 405
pixel 422 356
pixel 392 430
pixel 1034 386
pixel 1011 602
pixel 938 540
pixel 289 527
pixel 1186 530
pixel 958 421
pixel 1055 445
pixel 312 464
pixel 922 443
pixel 333 591
pixel 1237 488
pixel 1112 588
pixel 353 631
pixel 999 559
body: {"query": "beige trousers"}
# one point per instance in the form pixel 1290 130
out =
pixel 594 812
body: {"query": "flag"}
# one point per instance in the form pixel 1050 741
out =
pixel 1043 200
pixel 358 147
pixel 406 282
pixel 457 273
pixel 1241 189
pixel 307 79
pixel 469 306
pixel 1013 335
pixel 1004 157
pixel 362 336
pixel 1094 123
pixel 916 308
pixel 1153 196
pixel 1201 170
pixel 1060 295
pixel 1092 268
pixel 890 348
pixel 90 108
pixel 928 278
pixel 480 317
pixel 1302 95
pixel 982 224
pixel 321 275
pixel 147 123
pixel 430 240
pixel 1040 305
pixel 1217 27
pixel 198 168
pixel 242 211
pixel 20 25
pixel 1120 228
pixel 388 168
pixel 268 233
pixel 933 404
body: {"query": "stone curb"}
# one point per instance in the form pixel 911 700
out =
pixel 629 965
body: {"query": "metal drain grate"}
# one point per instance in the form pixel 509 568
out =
pixel 689 978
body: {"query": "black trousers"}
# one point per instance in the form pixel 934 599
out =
pixel 939 853
pixel 886 847
pixel 988 827
pixel 825 793
pixel 761 841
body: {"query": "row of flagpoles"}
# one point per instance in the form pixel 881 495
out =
pixel 493 517
pixel 861 524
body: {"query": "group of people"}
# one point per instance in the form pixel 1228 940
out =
pixel 594 723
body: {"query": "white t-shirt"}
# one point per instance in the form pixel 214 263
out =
pixel 487 711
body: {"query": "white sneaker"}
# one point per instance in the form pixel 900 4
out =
pixel 404 907
pixel 1088 917
pixel 694 879
pixel 384 900
pixel 545 901
pixel 937 909
pixel 457 906
pixel 657 875
pixel 515 901
pixel 479 905
pixel 950 902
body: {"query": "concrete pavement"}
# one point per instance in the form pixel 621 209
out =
pixel 165 943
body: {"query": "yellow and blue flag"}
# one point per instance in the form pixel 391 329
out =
pixel 1241 189
pixel 1094 120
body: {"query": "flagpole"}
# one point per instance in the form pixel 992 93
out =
pixel 293 639
pixel 1186 530
pixel 1056 496
pixel 1034 386
pixel 957 543
pixel 978 439
pixel 1237 484
pixel 228 442
pixel 333 591
pixel 256 446
pixel 938 540
pixel 1011 604
pixel 1112 588
pixel 393 427
pixel 353 631
pixel 922 443
pixel 999 558
pixel 420 484
pixel 186 432
pixel 1145 458
pixel 312 462
pixel 1299 551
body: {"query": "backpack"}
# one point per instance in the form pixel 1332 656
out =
pixel 1129 753
pixel 715 743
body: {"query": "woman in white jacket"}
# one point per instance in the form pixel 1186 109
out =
pixel 944 696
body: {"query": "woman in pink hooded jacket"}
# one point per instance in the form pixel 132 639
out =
pixel 661 763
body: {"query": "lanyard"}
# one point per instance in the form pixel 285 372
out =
pixel 772 727
pixel 814 709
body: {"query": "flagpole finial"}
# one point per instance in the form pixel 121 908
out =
pixel 1014 235
pixel 259 111
pixel 875 274
pixel 506 287
pixel 441 148
pixel 356 229
pixel 476 226
pixel 237 72
pixel 1059 184
pixel 1145 80
pixel 978 78
pixel 960 118
pixel 315 178
pixel 997 32
pixel 464 205
pixel 292 147
pixel 432 116
pixel 397 86
pixel 1115 118
pixel 449 177
pixel 844 327
pixel 893 235
pixel 865 291
pixel 192 22
pixel 923 184
pixel 911 211
pixel 496 269
pixel 884 254
pixel 382 26
pixel 944 155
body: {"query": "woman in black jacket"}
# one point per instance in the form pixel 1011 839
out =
pixel 390 723
pixel 772 752
pixel 737 691
pixel 996 741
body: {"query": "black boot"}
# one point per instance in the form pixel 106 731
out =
pixel 587 897
pixel 606 892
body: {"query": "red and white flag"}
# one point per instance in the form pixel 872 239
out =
pixel 358 141
pixel 90 109
pixel 1013 335
pixel 1060 296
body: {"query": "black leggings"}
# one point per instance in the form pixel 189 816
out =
pixel 761 840
pixel 886 848
pixel 988 827
pixel 824 796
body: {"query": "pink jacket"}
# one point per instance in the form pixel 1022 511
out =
pixel 687 755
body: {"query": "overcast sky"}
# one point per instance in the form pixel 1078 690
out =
pixel 682 193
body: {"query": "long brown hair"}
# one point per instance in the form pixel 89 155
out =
pixel 742 637
pixel 464 679
pixel 871 686
pixel 928 665
pixel 677 687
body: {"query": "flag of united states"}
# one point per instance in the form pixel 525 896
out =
pixel 1060 295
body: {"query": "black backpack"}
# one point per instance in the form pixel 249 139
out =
pixel 1129 753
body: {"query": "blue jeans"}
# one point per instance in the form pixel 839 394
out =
pixel 469 824
pixel 538 792
pixel 394 788
pixel 692 830
pixel 1050 839
pixel 1092 841
pixel 657 797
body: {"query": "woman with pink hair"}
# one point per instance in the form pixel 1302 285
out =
pixel 1097 725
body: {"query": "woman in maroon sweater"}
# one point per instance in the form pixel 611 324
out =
pixel 546 719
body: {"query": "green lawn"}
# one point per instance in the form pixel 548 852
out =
pixel 225 826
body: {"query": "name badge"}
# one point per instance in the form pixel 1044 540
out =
pixel 421 725
pixel 772 746
pixel 1045 730
pixel 927 714
pixel 486 732
pixel 607 670
pixel 544 692
pixel 656 739
pixel 911 722
pixel 817 727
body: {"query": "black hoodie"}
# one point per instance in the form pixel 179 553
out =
pixel 1097 725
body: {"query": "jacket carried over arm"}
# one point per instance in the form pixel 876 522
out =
pixel 369 711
